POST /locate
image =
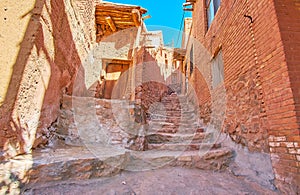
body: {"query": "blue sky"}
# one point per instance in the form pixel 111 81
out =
pixel 166 15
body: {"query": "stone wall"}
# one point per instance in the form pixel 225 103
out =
pixel 87 120
pixel 45 44
pixel 149 79
pixel 258 42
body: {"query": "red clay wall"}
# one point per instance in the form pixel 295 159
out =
pixel 261 68
pixel 53 44
pixel 149 78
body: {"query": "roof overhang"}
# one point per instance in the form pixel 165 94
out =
pixel 111 17
pixel 179 53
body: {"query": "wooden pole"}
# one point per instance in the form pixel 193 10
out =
pixel 136 17
pixel 111 23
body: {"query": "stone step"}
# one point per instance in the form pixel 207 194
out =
pixel 174 125
pixel 175 128
pixel 216 159
pixel 178 121
pixel 171 130
pixel 171 103
pixel 173 108
pixel 78 163
pixel 161 118
pixel 183 121
pixel 174 102
pixel 172 115
pixel 64 163
pixel 196 137
pixel 183 146
pixel 182 128
pixel 176 111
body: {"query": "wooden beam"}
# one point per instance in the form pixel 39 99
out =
pixel 111 23
pixel 114 7
pixel 112 13
pixel 130 23
pixel 136 17
pixel 188 9
pixel 101 18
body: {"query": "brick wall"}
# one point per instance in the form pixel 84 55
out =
pixel 231 32
pixel 280 83
pixel 45 55
pixel 261 77
pixel 200 79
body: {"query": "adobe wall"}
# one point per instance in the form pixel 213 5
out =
pixel 261 78
pixel 150 78
pixel 164 58
pixel 45 43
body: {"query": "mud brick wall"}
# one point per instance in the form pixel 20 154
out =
pixel 46 43
pixel 150 79
pixel 261 68
pixel 199 84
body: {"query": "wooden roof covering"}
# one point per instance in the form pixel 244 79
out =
pixel 112 17
pixel 179 53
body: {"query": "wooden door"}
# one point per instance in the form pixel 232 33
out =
pixel 113 73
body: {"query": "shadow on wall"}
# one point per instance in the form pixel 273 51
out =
pixel 12 130
pixel 45 68
pixel 151 81
pixel 204 95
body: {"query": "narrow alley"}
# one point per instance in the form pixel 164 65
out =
pixel 93 100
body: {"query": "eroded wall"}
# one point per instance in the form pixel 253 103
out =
pixel 45 43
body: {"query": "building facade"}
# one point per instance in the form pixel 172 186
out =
pixel 243 56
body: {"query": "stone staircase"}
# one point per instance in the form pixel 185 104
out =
pixel 175 138
pixel 173 134
pixel 175 121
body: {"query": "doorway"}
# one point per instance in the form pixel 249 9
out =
pixel 114 70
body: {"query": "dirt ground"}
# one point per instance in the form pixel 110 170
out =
pixel 173 180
